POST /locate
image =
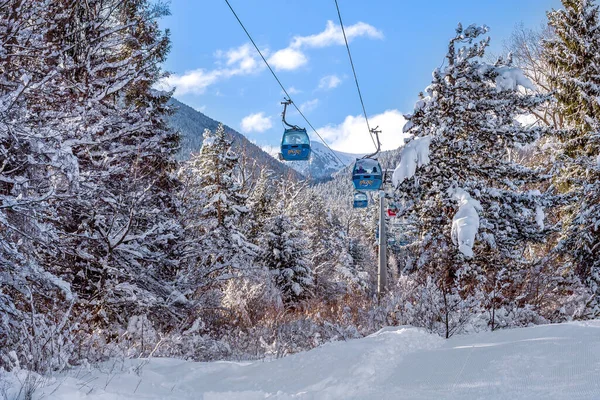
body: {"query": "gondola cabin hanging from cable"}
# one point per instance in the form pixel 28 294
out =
pixel 295 143
pixel 360 200
pixel 367 174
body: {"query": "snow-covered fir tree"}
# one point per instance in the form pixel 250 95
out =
pixel 260 204
pixel 121 222
pixel 284 251
pixel 335 270
pixel 574 52
pixel 352 237
pixel 473 206
pixel 215 249
pixel 321 237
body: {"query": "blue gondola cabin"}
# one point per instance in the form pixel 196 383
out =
pixel 367 174
pixel 295 145
pixel 360 200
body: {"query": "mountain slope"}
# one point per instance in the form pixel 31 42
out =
pixel 191 125
pixel 322 164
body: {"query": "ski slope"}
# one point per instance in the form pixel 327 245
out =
pixel 543 362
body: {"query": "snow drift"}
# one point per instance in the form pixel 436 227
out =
pixel 542 362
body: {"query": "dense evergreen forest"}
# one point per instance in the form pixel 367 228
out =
pixel 113 246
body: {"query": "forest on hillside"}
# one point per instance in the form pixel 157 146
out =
pixel 111 246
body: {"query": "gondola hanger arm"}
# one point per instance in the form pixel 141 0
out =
pixel 286 102
pixel 375 132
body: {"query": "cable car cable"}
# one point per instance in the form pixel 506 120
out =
pixel 355 77
pixel 280 84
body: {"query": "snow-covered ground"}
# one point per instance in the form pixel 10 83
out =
pixel 542 362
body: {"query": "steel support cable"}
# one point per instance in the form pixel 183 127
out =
pixel 355 77
pixel 279 82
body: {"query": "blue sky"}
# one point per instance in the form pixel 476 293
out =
pixel 395 45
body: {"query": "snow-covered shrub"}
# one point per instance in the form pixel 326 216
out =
pixel 434 306
pixel 250 298
pixel 141 336
pixel 44 341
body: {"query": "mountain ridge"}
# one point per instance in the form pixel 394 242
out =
pixel 191 124
pixel 323 164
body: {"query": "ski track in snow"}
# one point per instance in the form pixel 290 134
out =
pixel 559 361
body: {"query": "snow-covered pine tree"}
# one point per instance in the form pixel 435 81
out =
pixel 321 237
pixel 215 248
pixel 352 268
pixel 284 251
pixel 468 119
pixel 88 164
pixel 335 271
pixel 575 53
pixel 260 205
pixel 119 222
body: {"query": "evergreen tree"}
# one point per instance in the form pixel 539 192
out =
pixel 120 222
pixel 284 252
pixel 260 204
pixel 575 53
pixel 352 266
pixel 215 248
pixel 321 237
pixel 334 268
pixel 469 117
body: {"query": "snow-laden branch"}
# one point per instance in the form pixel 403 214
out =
pixel 507 77
pixel 414 154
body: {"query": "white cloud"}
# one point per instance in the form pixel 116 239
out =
pixel 256 123
pixel 292 57
pixel 332 35
pixel 239 61
pixel 308 106
pixel 287 59
pixel 352 136
pixel 329 82
pixel 293 90
pixel 244 60
pixel 195 81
